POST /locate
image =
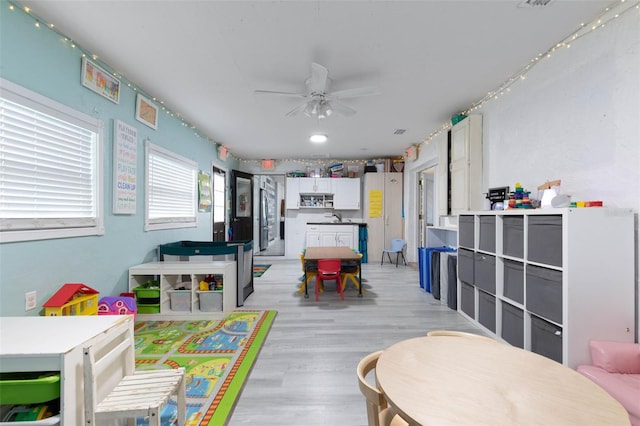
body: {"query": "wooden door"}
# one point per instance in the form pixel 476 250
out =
pixel 241 206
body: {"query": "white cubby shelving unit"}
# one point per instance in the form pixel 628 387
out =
pixel 174 275
pixel 549 280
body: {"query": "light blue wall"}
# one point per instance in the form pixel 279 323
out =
pixel 39 60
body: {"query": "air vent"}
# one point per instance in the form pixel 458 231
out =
pixel 399 131
pixel 320 155
pixel 535 3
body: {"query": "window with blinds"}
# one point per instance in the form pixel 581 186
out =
pixel 171 185
pixel 50 171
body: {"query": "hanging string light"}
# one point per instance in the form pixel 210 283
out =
pixel 609 14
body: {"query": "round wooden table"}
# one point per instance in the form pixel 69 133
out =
pixel 446 380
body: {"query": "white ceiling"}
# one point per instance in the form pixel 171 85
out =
pixel 204 59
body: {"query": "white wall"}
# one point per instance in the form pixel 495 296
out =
pixel 576 117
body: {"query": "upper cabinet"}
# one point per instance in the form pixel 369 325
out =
pixel 466 165
pixel 460 169
pixel 346 194
pixel 315 185
pixel 338 194
pixel 292 193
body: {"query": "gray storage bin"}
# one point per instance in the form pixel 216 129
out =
pixel 513 325
pixel 466 230
pixel 513 280
pixel 544 292
pixel 545 239
pixel 487 310
pixel 487 233
pixel 546 339
pixel 484 274
pixel 465 265
pixel 513 236
pixel 467 299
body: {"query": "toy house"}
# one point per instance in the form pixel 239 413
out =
pixel 117 305
pixel 72 299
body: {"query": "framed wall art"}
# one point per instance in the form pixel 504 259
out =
pixel 146 111
pixel 100 81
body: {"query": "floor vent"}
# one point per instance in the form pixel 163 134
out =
pixel 399 131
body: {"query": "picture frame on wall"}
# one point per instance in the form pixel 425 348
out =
pixel 146 111
pixel 96 78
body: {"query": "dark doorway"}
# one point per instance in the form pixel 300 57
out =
pixel 241 206
pixel 219 204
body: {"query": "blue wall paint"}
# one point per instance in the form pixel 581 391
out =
pixel 40 60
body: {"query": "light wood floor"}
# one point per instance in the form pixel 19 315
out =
pixel 305 374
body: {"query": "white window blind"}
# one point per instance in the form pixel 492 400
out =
pixel 49 168
pixel 171 186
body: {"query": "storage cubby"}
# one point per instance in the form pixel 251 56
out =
pixel 179 292
pixel 549 280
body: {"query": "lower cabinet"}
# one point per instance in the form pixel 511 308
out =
pixel 549 280
pixel 319 235
pixel 172 289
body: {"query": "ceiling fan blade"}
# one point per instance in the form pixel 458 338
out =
pixel 342 109
pixel 297 110
pixel 270 92
pixel 354 93
pixel 318 82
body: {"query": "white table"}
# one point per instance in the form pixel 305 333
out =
pixel 55 344
pixel 445 380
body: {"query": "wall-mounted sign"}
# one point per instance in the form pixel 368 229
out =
pixel 125 162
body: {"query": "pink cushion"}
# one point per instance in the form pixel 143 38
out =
pixel 625 388
pixel 616 357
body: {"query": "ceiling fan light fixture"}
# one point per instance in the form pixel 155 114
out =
pixel 318 138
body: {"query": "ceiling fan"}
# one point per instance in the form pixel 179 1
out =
pixel 319 102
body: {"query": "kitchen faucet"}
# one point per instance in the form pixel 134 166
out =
pixel 339 216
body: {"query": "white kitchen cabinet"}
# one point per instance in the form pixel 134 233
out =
pixel 466 165
pixel 292 193
pixel 549 280
pixel 315 185
pixel 332 235
pixel 382 211
pixel 174 275
pixel 346 193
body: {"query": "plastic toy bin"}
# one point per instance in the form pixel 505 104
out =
pixel 148 293
pixel 180 300
pixel 210 301
pixel 29 388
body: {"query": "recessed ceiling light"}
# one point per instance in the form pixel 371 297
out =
pixel 318 138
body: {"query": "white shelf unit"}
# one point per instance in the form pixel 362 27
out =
pixel 172 275
pixel 549 280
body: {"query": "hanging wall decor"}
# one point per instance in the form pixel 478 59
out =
pixel 125 154
pixel 100 81
pixel 146 111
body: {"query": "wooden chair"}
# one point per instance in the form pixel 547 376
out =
pixel 329 269
pixel 378 411
pixel 137 394
pixel 460 334
pixel 352 274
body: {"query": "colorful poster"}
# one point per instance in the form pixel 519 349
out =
pixel 375 203
pixel 205 198
pixel 125 162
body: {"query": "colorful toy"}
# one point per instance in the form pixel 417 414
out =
pixel 117 305
pixel 72 299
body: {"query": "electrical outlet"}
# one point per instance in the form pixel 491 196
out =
pixel 30 299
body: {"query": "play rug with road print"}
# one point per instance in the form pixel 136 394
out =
pixel 217 355
pixel 258 270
